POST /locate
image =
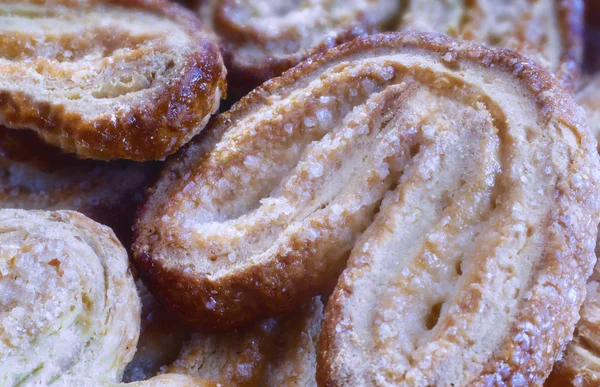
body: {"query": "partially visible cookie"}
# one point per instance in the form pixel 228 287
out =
pixel 580 364
pixel 34 175
pixel 110 79
pixel 69 311
pixel 161 339
pixel 272 353
pixel 264 38
pixel 547 31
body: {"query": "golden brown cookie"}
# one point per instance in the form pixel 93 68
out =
pixel 473 268
pixel 273 353
pixel 34 175
pixel 262 212
pixel 264 38
pixel 108 79
pixel 69 312
pixel 588 97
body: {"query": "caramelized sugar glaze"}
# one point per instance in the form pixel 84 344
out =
pixel 470 174
pixel 263 38
pixel 131 79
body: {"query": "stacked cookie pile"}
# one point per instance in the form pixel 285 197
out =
pixel 298 193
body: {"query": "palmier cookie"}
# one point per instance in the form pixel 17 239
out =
pixel 473 270
pixel 261 213
pixel 263 38
pixel 580 364
pixel 41 177
pixel 272 353
pixel 69 312
pixel 108 79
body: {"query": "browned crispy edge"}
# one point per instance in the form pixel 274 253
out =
pixel 184 294
pixel 145 132
pixel 547 91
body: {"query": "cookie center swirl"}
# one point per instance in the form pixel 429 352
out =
pixel 69 54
